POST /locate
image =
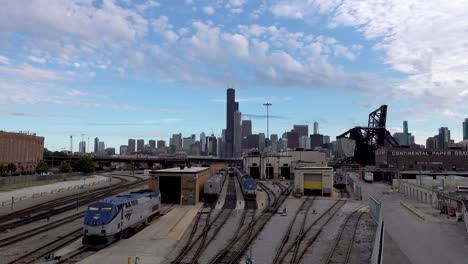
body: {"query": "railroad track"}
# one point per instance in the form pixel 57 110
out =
pixel 305 205
pixel 48 248
pixel 193 248
pixel 295 251
pixel 51 247
pixel 341 250
pixel 237 246
pixel 58 206
pixel 75 256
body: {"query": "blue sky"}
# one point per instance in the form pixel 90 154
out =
pixel 119 69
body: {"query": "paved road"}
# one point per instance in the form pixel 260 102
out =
pixel 411 240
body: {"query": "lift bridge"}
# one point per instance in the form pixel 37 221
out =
pixel 369 139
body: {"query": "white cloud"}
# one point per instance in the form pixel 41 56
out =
pixel 28 72
pixel 189 2
pixel 149 4
pixel 75 93
pixel 209 10
pixel 37 59
pixel 4 60
pixel 163 28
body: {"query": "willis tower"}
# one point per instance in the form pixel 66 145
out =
pixel 231 107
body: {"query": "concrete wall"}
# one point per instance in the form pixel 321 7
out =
pixel 419 193
pixel 36 177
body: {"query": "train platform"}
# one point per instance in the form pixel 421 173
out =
pixel 150 245
pixel 240 203
pixel 34 192
pixel 222 195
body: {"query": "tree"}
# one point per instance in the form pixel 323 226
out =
pixel 84 164
pixel 11 168
pixel 42 167
pixel 3 170
pixel 65 167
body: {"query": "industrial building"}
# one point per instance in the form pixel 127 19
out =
pixel 281 164
pixel 421 159
pixel 23 149
pixel 310 180
pixel 182 185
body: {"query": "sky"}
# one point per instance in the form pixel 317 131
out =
pixel 119 69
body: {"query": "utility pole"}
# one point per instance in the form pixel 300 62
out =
pixel 267 104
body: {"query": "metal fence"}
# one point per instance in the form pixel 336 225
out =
pixel 376 214
pixel 354 186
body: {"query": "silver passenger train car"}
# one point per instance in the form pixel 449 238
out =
pixel 213 186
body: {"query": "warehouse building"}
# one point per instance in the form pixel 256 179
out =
pixel 421 159
pixel 280 165
pixel 313 180
pixel 25 150
pixel 182 185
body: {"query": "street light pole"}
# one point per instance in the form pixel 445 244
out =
pixel 267 104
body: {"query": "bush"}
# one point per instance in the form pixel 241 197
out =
pixel 3 170
pixel 42 167
pixel 11 168
pixel 65 167
pixel 84 164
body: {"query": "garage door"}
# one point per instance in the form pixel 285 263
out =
pixel 286 172
pixel 169 186
pixel 313 184
pixel 255 172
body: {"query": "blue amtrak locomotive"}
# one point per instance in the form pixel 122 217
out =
pixel 112 218
pixel 248 185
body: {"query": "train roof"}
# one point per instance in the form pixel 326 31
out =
pixel 123 199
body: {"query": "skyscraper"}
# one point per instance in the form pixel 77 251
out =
pixel 152 143
pixel 140 145
pixel 231 107
pixel 123 149
pixel 293 139
pixel 161 144
pixel 203 141
pixel 316 128
pixel 237 144
pixel 211 145
pixel 465 129
pixel 246 128
pixel 405 127
pixel 131 146
pixel 444 138
pixel 96 143
pixel 302 130
pixel 82 147
pixel 404 138
pixel 176 141
pixel 101 147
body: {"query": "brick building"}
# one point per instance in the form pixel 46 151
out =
pixel 24 150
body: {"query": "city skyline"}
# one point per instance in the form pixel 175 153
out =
pixel 73 74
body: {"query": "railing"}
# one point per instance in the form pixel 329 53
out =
pixel 376 214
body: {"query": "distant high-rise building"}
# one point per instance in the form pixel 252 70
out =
pixel 131 146
pixel 316 140
pixel 203 141
pixel 231 107
pixel 405 127
pixel 293 139
pixel 274 142
pixel 161 144
pixel 152 143
pixel 261 141
pixel 123 149
pixel 253 141
pixel 176 141
pixel 82 147
pixel 404 138
pixel 431 143
pixel 140 145
pixel 237 144
pixel 304 142
pixel 465 129
pixel 101 147
pixel 220 146
pixel 211 145
pixel 187 142
pixel 110 151
pixel 444 138
pixel 326 139
pixel 96 143
pixel 302 130
pixel 246 128
pixel 316 128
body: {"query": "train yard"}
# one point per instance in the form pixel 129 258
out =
pixel 267 225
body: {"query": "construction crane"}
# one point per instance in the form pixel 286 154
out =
pixel 369 139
